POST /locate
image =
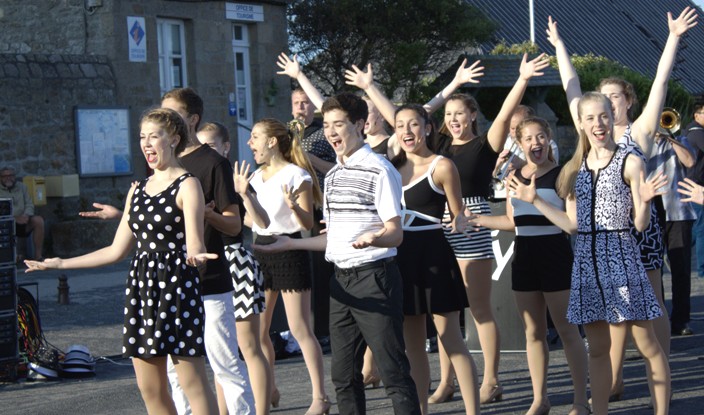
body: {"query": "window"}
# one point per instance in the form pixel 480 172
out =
pixel 172 54
pixel 242 89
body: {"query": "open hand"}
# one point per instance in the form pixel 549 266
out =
pixel 553 35
pixel 288 66
pixel 368 239
pixel 104 212
pixel 516 189
pixel 649 188
pixel 359 78
pixel 241 177
pixel 291 195
pixel 686 20
pixel 532 68
pixel 49 263
pixel 693 191
pixel 468 74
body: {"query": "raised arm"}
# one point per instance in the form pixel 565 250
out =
pixel 644 128
pixel 570 79
pixel 564 219
pixel 292 68
pixel 500 127
pixel 121 245
pixel 465 74
pixel 365 82
pixel 255 213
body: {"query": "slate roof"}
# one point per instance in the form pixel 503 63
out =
pixel 632 32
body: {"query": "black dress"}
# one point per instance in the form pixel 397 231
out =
pixel 163 305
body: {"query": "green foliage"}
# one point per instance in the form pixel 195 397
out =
pixel 407 41
pixel 503 48
pixel 592 69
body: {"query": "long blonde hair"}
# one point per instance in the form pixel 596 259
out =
pixel 568 176
pixel 288 138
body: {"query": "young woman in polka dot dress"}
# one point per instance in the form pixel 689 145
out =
pixel 163 305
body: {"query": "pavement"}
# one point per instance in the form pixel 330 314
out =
pixel 94 319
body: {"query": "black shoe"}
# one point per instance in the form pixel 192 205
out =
pixel 681 331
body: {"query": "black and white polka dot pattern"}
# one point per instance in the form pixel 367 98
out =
pixel 163 304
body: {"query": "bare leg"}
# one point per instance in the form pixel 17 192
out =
pixel 449 331
pixel 194 382
pixel 298 313
pixel 220 394
pixel 447 375
pixel 619 336
pixel 661 325
pixel 259 376
pixel 270 297
pixel 573 345
pixel 599 365
pixel 532 309
pixel 414 334
pixel 370 373
pixel 655 363
pixel 477 280
pixel 153 385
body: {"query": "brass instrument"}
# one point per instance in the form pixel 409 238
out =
pixel 670 121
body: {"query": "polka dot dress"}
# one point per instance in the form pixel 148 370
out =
pixel 163 305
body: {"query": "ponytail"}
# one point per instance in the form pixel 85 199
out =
pixel 298 156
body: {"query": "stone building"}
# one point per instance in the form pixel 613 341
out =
pixel 56 55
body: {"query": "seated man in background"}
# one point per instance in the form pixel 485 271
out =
pixel 26 222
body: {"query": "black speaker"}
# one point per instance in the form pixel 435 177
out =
pixel 8 336
pixel 5 207
pixel 7 241
pixel 8 297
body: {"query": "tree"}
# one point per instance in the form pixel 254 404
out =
pixel 408 42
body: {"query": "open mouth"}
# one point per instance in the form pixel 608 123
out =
pixel 537 152
pixel 336 143
pixel 455 128
pixel 150 156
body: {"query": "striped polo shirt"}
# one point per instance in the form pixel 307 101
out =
pixel 528 219
pixel 360 195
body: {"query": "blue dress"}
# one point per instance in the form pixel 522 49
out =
pixel 609 282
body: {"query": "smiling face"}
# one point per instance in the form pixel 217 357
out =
pixel 212 139
pixel 535 142
pixel 458 119
pixel 596 121
pixel 343 135
pixel 620 103
pixel 411 130
pixel 157 145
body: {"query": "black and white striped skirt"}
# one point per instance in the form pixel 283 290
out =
pixel 472 244
pixel 248 280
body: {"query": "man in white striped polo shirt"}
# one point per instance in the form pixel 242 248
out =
pixel 362 209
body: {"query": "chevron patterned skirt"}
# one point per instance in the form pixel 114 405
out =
pixel 248 280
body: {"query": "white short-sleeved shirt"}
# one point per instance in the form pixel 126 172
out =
pixel 271 196
pixel 360 195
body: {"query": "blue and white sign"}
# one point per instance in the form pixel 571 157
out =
pixel 137 39
pixel 244 12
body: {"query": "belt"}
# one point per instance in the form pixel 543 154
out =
pixel 379 263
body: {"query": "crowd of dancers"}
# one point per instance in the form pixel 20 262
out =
pixel 408 231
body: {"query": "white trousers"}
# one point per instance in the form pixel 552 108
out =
pixel 221 347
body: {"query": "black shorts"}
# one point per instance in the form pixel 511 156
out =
pixel 284 271
pixel 542 263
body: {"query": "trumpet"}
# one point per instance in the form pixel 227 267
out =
pixel 670 121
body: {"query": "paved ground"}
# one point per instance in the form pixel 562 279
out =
pixel 94 319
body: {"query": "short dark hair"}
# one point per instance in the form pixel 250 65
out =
pixel 354 106
pixel 190 99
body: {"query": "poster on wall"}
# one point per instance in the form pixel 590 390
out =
pixel 103 141
pixel 137 39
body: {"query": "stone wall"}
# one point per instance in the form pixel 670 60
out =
pixel 56 54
